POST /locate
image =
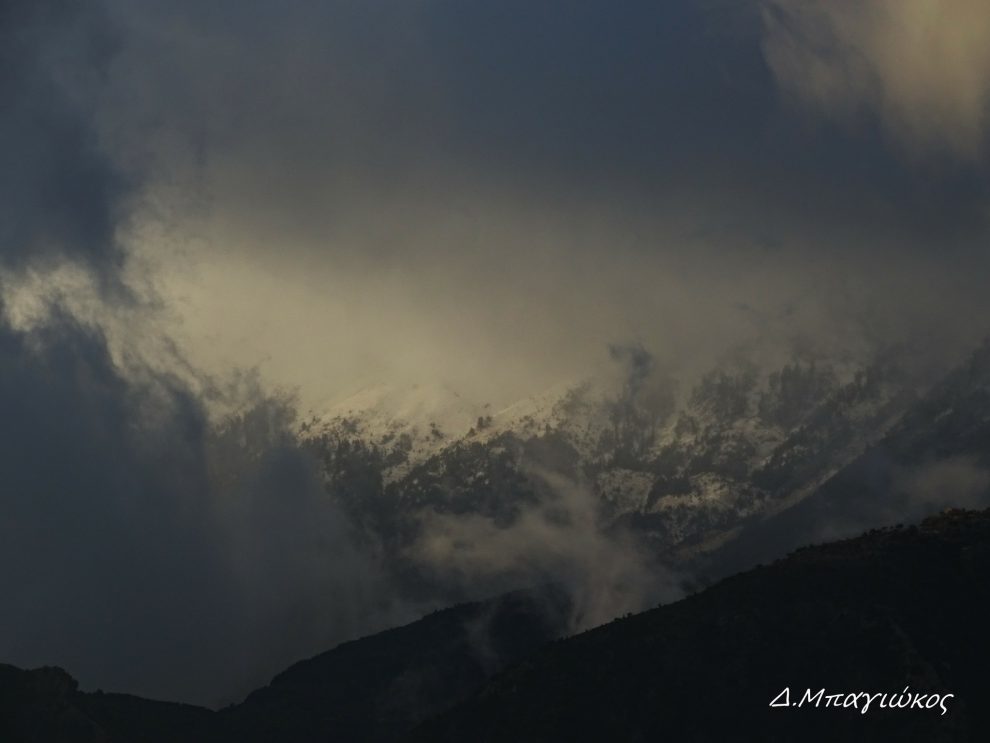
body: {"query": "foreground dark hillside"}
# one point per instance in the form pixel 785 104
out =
pixel 907 607
pixel 895 609
pixel 373 689
pixel 45 705
pixel 380 687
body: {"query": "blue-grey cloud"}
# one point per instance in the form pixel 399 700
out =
pixel 60 192
pixel 152 551
pixel 582 172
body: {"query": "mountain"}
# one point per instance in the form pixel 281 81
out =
pixel 406 423
pixel 372 689
pixel 378 688
pixel 900 611
pixel 937 454
pixel 680 471
pixel 45 705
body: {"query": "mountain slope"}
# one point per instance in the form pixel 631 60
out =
pixel 379 687
pixel 891 609
pixel 894 608
pixel 44 705
pixel 936 455
pixel 673 475
pixel 373 689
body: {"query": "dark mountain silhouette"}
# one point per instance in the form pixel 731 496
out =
pixel 373 689
pixel 380 687
pixel 894 608
pixel 45 705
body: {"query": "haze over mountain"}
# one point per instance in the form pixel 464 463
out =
pixel 639 465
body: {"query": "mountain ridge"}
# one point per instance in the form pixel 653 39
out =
pixel 892 611
pixel 680 477
pixel 889 608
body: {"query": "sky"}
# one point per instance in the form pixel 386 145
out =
pixel 213 206
pixel 337 192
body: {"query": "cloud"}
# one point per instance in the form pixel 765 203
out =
pixel 560 540
pixel 384 192
pixel 61 194
pixel 143 545
pixel 904 494
pixel 152 551
pixel 920 68
pixel 955 482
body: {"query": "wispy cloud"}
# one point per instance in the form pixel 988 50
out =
pixel 920 68
pixel 561 540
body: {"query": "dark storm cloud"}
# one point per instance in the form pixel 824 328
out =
pixel 310 110
pixel 495 192
pixel 60 193
pixel 150 551
pixel 590 173
pixel 142 545
pixel 675 102
pixel 538 98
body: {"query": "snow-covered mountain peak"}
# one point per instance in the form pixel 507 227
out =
pixel 381 408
